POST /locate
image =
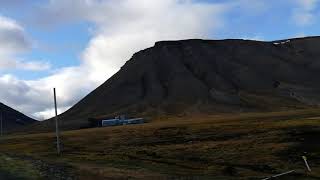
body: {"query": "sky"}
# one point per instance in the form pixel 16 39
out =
pixel 76 45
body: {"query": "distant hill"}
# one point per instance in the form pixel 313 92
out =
pixel 207 76
pixel 13 119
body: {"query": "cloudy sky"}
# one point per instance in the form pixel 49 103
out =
pixel 75 45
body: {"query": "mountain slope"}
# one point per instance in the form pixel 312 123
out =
pixel 208 76
pixel 13 119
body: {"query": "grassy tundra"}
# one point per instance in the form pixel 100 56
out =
pixel 234 146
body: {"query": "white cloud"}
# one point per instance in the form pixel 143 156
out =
pixel 130 26
pixel 7 64
pixel 49 112
pixel 13 41
pixel 12 37
pixel 121 28
pixel 304 14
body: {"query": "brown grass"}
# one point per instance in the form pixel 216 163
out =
pixel 234 146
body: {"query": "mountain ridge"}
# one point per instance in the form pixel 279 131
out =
pixel 207 76
pixel 13 119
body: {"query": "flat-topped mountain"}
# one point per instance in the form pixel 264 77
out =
pixel 208 76
pixel 12 119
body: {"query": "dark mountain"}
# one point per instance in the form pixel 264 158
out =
pixel 12 119
pixel 208 76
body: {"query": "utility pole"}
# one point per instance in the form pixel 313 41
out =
pixel 1 123
pixel 306 163
pixel 57 124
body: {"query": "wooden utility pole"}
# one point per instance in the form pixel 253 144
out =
pixel 1 123
pixel 278 175
pixel 57 123
pixel 306 163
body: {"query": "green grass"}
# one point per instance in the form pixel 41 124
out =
pixel 228 146
pixel 12 168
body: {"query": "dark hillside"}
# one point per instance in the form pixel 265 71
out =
pixel 13 119
pixel 208 76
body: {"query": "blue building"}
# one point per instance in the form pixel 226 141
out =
pixel 121 120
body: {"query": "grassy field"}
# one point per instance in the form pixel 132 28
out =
pixel 228 146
